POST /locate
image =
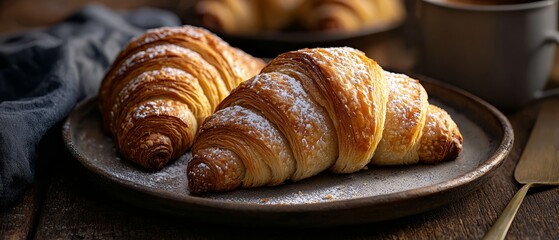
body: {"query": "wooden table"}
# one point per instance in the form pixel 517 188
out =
pixel 61 204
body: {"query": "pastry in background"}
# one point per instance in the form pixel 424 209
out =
pixel 279 14
pixel 228 16
pixel 163 85
pixel 246 16
pixel 251 16
pixel 350 15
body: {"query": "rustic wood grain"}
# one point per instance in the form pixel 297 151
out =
pixel 17 221
pixel 539 161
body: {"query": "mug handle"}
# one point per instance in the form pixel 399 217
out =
pixel 552 37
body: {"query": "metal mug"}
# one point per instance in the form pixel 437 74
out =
pixel 501 53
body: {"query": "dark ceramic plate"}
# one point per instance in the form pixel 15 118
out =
pixel 376 194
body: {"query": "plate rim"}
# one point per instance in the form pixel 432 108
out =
pixel 484 168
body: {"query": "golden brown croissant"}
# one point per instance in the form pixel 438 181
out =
pixel 415 131
pixel 317 109
pixel 348 15
pixel 163 85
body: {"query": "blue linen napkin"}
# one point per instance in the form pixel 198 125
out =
pixel 44 73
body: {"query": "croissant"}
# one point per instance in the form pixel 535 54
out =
pixel 228 15
pixel 313 110
pixel 350 15
pixel 163 85
pixel 246 16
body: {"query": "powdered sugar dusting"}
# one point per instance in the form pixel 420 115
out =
pixel 171 171
pixel 305 115
pixel 238 67
pixel 200 171
pixel 155 107
pixel 165 73
pixel 432 124
pixel 404 104
pixel 237 115
pixel 168 179
pixel 156 34
pixel 155 52
pixel 353 84
pixel 233 56
pixel 260 130
pixel 224 161
pixel 352 73
pixel 304 123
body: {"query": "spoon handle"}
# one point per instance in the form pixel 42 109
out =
pixel 501 227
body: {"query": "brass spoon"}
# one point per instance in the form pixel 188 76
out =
pixel 538 165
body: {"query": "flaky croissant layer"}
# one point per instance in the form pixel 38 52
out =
pixel 314 110
pixel 163 85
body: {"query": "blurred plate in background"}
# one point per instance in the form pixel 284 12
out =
pixel 270 43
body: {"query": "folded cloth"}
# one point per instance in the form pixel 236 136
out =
pixel 44 73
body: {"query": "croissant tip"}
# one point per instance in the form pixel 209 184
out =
pixel 456 147
pixel 199 175
pixel 158 161
pixel 452 148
